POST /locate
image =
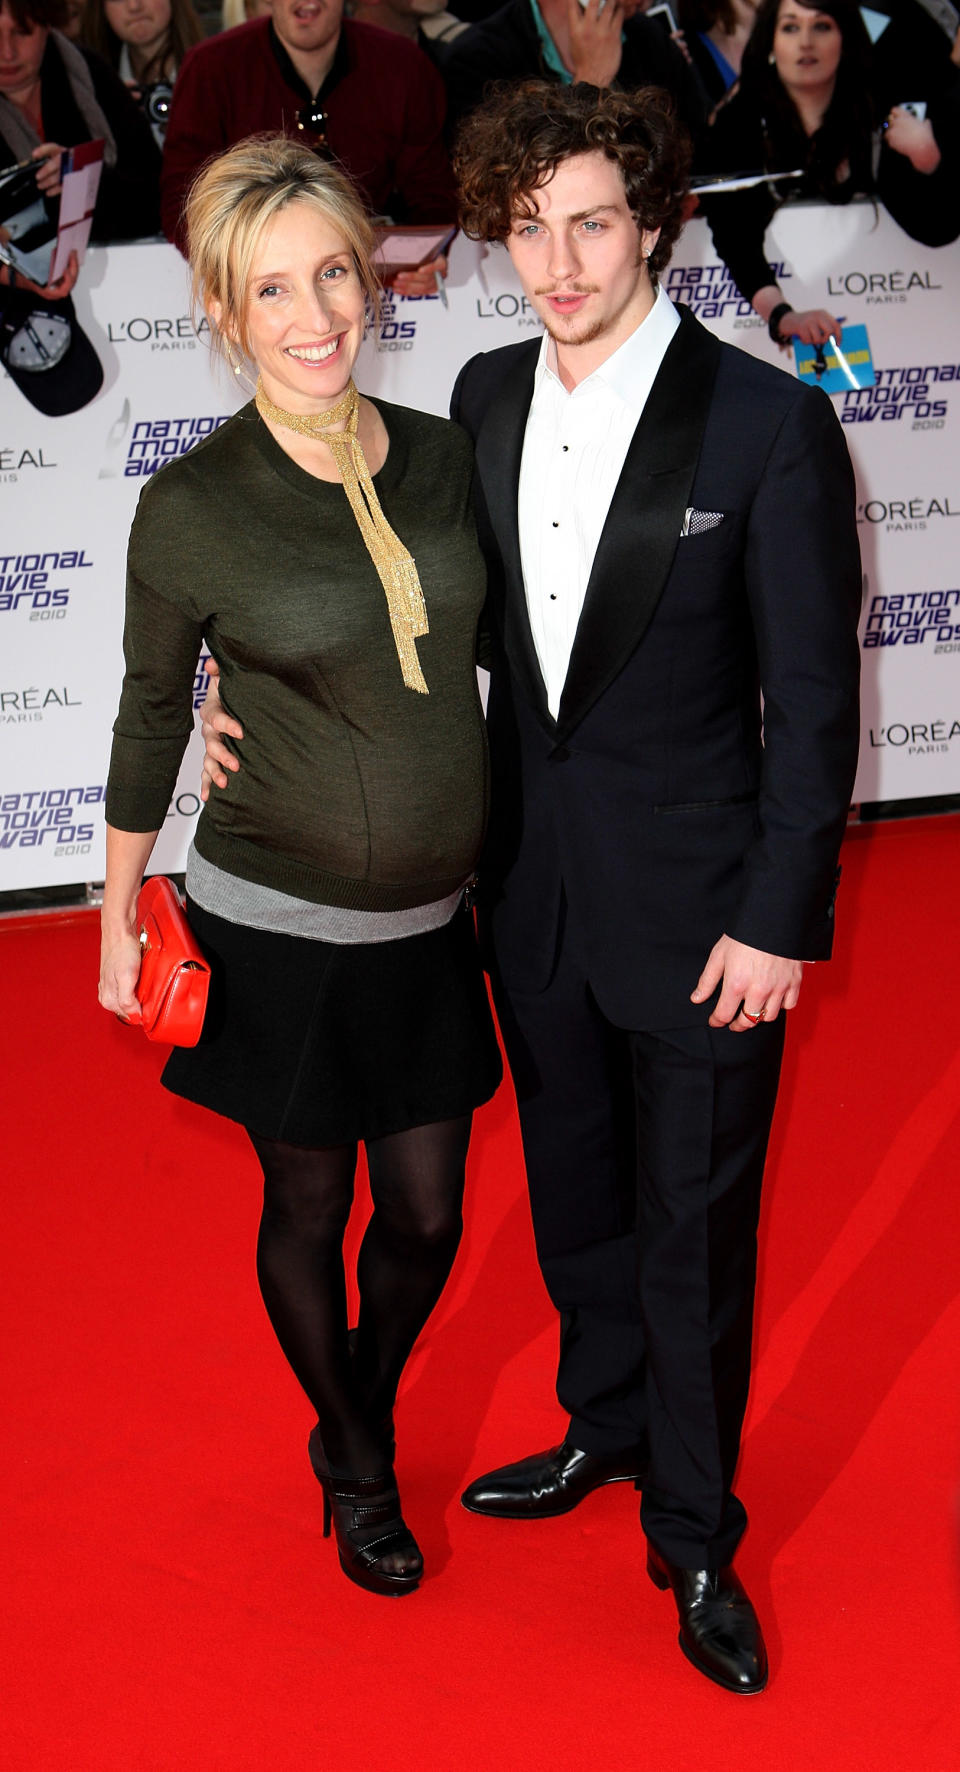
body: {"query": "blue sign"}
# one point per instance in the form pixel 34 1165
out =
pixel 837 367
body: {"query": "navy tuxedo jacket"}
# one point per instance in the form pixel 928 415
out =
pixel 660 803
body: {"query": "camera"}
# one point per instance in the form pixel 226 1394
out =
pixel 155 102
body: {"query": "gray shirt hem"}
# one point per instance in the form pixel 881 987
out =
pixel 262 907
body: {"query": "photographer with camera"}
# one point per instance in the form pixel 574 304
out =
pixel 144 41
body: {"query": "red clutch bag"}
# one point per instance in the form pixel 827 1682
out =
pixel 174 976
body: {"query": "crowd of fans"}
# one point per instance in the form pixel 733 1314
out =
pixel 817 98
pixel 848 101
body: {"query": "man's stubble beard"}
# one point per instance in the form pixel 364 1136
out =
pixel 592 330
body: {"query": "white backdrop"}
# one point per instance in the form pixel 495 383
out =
pixel 68 488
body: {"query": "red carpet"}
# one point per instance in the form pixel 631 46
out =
pixel 170 1604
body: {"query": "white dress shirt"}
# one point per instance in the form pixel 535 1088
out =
pixel 574 448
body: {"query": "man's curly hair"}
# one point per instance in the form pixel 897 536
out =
pixel 514 142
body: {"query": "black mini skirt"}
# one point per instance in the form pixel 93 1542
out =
pixel 319 1044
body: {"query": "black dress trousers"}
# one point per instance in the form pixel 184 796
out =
pixel 644 1154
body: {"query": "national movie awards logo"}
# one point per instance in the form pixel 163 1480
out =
pixel 136 448
pixel 917 738
pixel 398 326
pixel 395 334
pixel 710 292
pixel 914 393
pixel 25 707
pixel 33 585
pixel 51 818
pixel 914 618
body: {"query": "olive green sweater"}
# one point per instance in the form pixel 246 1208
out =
pixel 353 790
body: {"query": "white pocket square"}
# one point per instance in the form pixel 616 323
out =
pixel 696 522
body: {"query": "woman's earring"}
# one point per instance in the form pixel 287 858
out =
pixel 771 59
pixel 234 362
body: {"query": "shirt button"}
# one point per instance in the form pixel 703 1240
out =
pixel 553 596
pixel 566 448
pixel 556 525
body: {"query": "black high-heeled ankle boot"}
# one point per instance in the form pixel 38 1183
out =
pixel 369 1526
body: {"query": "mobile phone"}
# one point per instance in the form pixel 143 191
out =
pixel 916 107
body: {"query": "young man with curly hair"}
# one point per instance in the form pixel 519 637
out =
pixel 674 590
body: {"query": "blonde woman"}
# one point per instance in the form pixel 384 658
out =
pixel 321 545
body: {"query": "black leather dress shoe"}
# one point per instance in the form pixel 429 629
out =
pixel 548 1483
pixel 719 1629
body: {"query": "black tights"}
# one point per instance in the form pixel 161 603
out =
pixel 416 1181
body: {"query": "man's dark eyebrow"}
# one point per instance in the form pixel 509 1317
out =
pixel 598 209
pixel 578 216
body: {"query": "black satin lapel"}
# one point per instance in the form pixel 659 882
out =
pixel 643 524
pixel 499 448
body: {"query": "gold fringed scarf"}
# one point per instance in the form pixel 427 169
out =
pixel 395 565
